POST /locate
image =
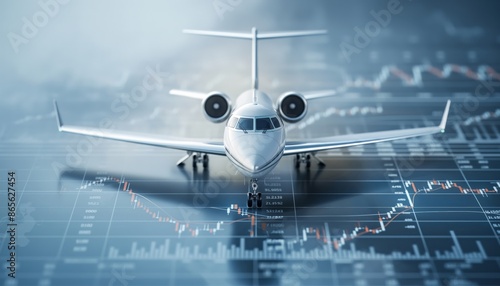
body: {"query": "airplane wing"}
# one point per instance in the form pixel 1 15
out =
pixel 325 143
pixel 215 148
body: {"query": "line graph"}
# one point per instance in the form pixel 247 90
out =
pixel 482 73
pixel 388 217
pixel 160 214
pixel 480 118
pixel 327 246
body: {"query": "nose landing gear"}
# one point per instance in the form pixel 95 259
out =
pixel 254 196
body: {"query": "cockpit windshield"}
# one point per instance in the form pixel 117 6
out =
pixel 276 122
pixel 263 124
pixel 254 124
pixel 245 124
pixel 232 121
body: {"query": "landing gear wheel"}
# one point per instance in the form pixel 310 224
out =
pixel 205 161
pixel 257 197
pixel 259 200
pixel 195 161
pixel 296 161
pixel 304 158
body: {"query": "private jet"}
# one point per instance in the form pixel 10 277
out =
pixel 254 137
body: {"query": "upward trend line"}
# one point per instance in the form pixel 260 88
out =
pixel 485 116
pixel 386 219
pixel 482 73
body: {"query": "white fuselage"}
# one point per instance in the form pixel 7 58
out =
pixel 254 137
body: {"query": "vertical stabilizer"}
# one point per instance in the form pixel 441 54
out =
pixel 255 79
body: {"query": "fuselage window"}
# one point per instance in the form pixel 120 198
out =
pixel 245 124
pixel 276 122
pixel 263 124
pixel 232 122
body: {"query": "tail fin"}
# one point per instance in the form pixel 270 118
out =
pixel 254 36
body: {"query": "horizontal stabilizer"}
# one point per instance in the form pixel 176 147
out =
pixel 255 36
pixel 319 94
pixel 219 34
pixel 260 36
pixel 187 93
pixel 291 34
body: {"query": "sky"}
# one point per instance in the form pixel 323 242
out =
pixel 88 51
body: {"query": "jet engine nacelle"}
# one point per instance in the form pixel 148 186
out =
pixel 292 106
pixel 216 106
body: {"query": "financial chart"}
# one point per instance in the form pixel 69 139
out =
pixel 420 211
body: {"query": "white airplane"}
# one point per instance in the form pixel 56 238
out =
pixel 254 136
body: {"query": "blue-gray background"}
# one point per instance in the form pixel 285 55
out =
pixel 91 55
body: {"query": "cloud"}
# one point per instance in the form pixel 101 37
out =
pixel 90 43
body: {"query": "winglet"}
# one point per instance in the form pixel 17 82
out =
pixel 442 125
pixel 58 116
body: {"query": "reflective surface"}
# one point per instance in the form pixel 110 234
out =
pixel 419 211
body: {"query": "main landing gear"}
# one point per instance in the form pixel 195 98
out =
pixel 198 158
pixel 254 197
pixel 305 158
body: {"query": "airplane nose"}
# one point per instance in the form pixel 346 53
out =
pixel 253 152
pixel 253 161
